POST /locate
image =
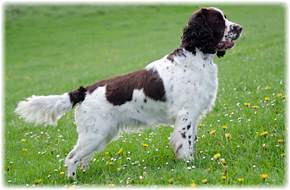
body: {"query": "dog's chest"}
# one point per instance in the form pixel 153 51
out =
pixel 190 85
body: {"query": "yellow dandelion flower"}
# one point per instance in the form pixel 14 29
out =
pixel 106 153
pixel 170 181
pixel 193 184
pixel 224 177
pixel 268 88
pixel 120 151
pixel 199 125
pixel 111 185
pixel 283 97
pixel 39 180
pixel 241 180
pixel 119 169
pixel 204 181
pixel 267 99
pixel 280 140
pixel 228 136
pixel 62 173
pixel 265 133
pixel 145 145
pixel 111 163
pixel 255 107
pixel 212 132
pixel 217 156
pixel 247 104
pixel 73 186
pixel 19 117
pixel 225 127
pixel 24 149
pixel 23 140
pixel 224 162
pixel 279 95
pixel 283 154
pixel 263 176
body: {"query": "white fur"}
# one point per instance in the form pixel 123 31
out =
pixel 191 87
pixel 44 109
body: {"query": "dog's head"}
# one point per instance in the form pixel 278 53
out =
pixel 209 30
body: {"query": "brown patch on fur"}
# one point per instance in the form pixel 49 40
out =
pixel 183 135
pixel 177 52
pixel 221 53
pixel 120 89
pixel 77 95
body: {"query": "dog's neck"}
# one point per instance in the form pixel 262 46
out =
pixel 204 56
pixel 198 58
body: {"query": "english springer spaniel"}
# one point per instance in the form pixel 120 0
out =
pixel 175 90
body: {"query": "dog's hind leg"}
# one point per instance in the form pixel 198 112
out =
pixel 85 162
pixel 87 145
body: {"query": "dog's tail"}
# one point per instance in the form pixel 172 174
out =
pixel 49 109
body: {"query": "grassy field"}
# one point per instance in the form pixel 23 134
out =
pixel 55 49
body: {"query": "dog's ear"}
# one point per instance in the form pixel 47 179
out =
pixel 221 53
pixel 197 33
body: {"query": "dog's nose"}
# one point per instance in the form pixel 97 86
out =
pixel 238 28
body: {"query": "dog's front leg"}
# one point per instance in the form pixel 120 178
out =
pixel 184 135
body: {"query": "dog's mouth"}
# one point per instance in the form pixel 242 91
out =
pixel 221 46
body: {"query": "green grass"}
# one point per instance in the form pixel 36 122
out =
pixel 55 49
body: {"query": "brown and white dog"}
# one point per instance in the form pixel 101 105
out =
pixel 175 90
